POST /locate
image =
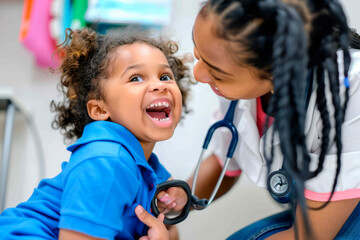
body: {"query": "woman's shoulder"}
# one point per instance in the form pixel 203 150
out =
pixel 354 72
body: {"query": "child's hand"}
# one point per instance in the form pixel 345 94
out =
pixel 173 199
pixel 157 229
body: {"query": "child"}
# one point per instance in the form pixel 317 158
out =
pixel 121 96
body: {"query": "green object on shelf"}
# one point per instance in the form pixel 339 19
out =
pixel 79 8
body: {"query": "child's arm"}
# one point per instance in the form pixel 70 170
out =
pixel 157 229
pixel 66 234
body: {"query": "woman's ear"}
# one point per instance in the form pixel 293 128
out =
pixel 97 110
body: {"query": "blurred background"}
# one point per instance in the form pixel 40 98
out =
pixel 29 31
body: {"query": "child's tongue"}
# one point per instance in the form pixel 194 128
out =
pixel 158 115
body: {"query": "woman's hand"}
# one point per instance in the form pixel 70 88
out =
pixel 157 229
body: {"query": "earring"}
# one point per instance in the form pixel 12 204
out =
pixel 102 115
pixel 272 91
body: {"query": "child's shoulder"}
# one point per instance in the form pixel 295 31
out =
pixel 99 148
pixel 104 139
pixel 106 143
pixel 101 156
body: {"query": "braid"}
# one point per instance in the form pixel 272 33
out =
pixel 327 41
pixel 330 66
pixel 336 10
pixel 322 107
pixel 288 70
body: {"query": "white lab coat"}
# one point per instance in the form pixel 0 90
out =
pixel 249 157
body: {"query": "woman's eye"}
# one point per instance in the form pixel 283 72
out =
pixel 215 78
pixel 136 79
pixel 165 78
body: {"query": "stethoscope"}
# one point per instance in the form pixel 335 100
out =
pixel 193 200
pixel 279 183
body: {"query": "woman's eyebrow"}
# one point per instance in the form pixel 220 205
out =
pixel 210 65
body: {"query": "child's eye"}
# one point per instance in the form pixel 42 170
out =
pixel 136 79
pixel 165 78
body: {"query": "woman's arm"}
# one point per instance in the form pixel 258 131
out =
pixel 66 234
pixel 208 176
pixel 325 223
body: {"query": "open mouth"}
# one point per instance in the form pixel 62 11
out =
pixel 216 91
pixel 159 111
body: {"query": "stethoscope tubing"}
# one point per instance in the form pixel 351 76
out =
pixel 228 123
pixel 193 200
pixel 218 183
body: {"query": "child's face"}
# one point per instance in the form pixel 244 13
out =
pixel 141 94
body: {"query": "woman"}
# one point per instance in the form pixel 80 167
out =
pixel 288 63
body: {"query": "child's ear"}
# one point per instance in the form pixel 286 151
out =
pixel 97 110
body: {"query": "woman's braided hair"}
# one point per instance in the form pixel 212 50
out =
pixel 285 40
pixel 87 57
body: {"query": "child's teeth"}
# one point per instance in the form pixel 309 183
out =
pixel 162 120
pixel 159 104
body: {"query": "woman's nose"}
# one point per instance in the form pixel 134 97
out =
pixel 201 74
pixel 158 86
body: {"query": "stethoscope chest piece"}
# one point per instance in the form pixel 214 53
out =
pixel 193 201
pixel 280 186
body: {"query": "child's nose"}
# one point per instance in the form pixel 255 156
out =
pixel 158 85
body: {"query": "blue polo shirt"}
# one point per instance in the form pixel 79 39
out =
pixel 96 193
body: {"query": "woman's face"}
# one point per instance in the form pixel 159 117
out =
pixel 217 68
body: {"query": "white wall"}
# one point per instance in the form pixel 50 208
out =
pixel 36 87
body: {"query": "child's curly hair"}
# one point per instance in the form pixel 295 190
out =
pixel 87 61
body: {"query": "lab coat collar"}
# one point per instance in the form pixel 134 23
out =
pixel 252 145
pixel 249 140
